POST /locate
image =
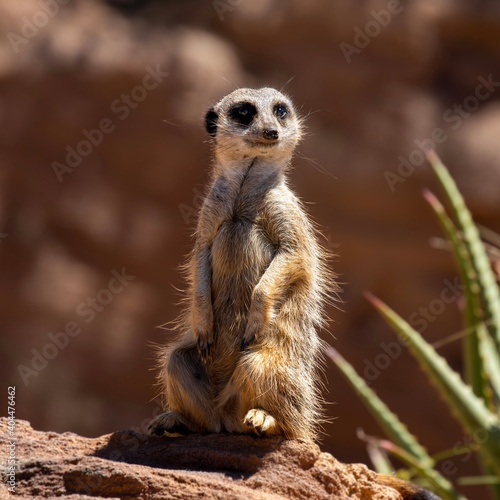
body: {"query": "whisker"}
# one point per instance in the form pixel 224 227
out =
pixel 317 166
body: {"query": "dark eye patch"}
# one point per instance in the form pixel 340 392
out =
pixel 243 113
pixel 281 111
pixel 211 122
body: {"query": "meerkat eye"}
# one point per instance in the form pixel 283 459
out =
pixel 281 111
pixel 243 113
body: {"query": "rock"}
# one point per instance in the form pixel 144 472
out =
pixel 127 464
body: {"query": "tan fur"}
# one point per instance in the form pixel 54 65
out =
pixel 408 491
pixel 247 357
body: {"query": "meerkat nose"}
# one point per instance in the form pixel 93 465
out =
pixel 270 134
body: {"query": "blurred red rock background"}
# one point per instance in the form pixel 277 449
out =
pixel 374 78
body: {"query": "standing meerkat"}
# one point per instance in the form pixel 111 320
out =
pixel 247 357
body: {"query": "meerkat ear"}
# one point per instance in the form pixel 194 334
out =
pixel 211 122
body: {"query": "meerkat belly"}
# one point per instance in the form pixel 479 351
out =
pixel 241 252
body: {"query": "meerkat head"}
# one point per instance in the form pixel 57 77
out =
pixel 251 123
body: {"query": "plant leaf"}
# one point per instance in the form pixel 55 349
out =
pixel 394 428
pixel 388 421
pixel 476 480
pixel 436 481
pixel 379 459
pixel 491 360
pixel 474 371
pixel 466 406
pixel 489 290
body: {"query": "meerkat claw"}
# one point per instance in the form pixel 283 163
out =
pixel 170 422
pixel 205 351
pixel 261 423
pixel 245 344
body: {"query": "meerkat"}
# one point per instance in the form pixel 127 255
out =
pixel 248 354
pixel 247 357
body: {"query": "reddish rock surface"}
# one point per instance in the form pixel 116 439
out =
pixel 126 464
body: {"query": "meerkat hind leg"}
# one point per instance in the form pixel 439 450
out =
pixel 171 422
pixel 261 423
pixel 188 394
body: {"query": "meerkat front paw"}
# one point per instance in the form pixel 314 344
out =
pixel 205 344
pixel 171 422
pixel 261 423
pixel 256 324
pixel 251 334
pixel 204 333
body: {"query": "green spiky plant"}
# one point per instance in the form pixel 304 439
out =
pixel 474 400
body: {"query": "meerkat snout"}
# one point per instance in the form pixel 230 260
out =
pixel 270 134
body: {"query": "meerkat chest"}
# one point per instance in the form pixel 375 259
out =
pixel 241 247
pixel 243 239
